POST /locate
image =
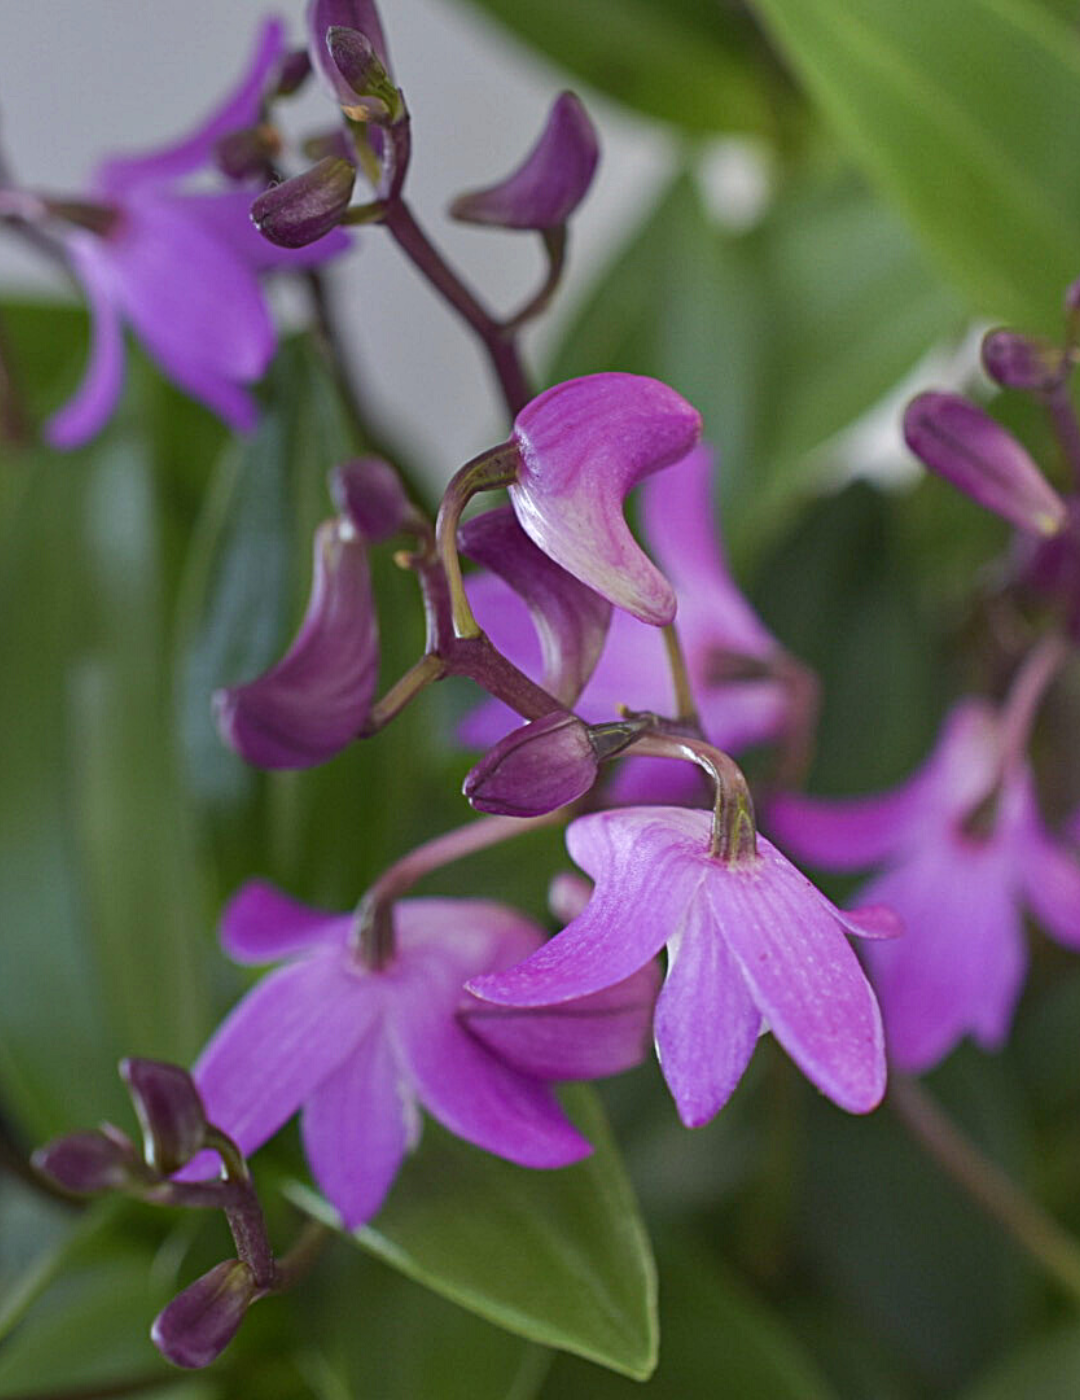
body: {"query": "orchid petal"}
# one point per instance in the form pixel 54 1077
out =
pixel 583 445
pixel 1051 884
pixel 357 1127
pixel 314 701
pixel 241 108
pixel 707 1025
pixel 261 924
pixel 571 620
pixel 551 181
pixel 287 1035
pixel 590 1038
pixel 803 976
pixel 845 834
pixel 89 410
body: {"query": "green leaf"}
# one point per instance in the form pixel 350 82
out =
pixel 700 68
pixel 967 115
pixel 559 1257
pixel 1047 1368
pixel 719 1341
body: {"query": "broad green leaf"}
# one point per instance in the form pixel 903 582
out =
pixel 718 1341
pixel 967 115
pixel 558 1257
pixel 1047 1368
pixel 701 67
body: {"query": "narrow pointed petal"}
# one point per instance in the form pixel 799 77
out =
pixel 804 977
pixel 232 403
pixel 1051 883
pixel 846 834
pixel 551 181
pixel 584 445
pixel 959 968
pixel 471 1092
pixel 636 866
pixel 262 925
pixel 89 410
pixel 571 620
pixel 356 1128
pixel 287 1035
pixel 313 702
pixel 873 921
pixel 241 108
pixel 978 456
pixel 590 1038
pixel 323 15
pixel 707 1025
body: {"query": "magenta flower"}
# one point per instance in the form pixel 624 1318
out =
pixel 963 851
pixel 362 1051
pixel 582 446
pixel 751 945
pixel 551 181
pixel 181 268
pixel 731 657
pixel 314 701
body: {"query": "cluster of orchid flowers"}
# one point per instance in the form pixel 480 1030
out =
pixel 617 693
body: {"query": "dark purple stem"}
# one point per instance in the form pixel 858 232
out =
pixel 499 343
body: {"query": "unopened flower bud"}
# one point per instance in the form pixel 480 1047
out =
pixel 549 184
pixel 86 1163
pixel 301 210
pixel 243 155
pixel 1019 362
pixel 368 93
pixel 545 764
pixel 294 72
pixel 324 15
pixel 170 1112
pixel 369 493
pixel 196 1327
pixel 978 456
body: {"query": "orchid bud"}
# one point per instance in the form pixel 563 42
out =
pixel 246 154
pixel 978 456
pixel 365 91
pixel 301 210
pixel 196 1327
pixel 549 184
pixel 369 493
pixel 314 701
pixel 294 72
pixel 86 1163
pixel 571 620
pixel 358 15
pixel 1019 362
pixel 170 1112
pixel 546 764
pixel 582 446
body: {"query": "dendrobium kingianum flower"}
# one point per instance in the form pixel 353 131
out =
pixel 180 266
pixel 962 851
pixel 751 945
pixel 740 677
pixel 362 1048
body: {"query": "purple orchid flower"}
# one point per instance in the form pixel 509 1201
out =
pixel 722 637
pixel 963 850
pixel 362 1050
pixel 751 945
pixel 181 268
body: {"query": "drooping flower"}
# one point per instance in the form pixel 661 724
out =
pixel 361 1051
pixel 550 182
pixel 181 267
pixel 581 447
pixel 734 663
pixel 750 944
pixel 962 852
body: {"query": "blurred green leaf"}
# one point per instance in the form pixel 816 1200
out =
pixel 559 1257
pixel 718 1341
pixel 967 115
pixel 704 68
pixel 1048 1368
pixel 781 336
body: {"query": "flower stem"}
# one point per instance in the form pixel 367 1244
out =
pixel 490 470
pixel 555 248
pixel 685 708
pixel 734 833
pixel 1029 685
pixel 497 341
pixel 985 1182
